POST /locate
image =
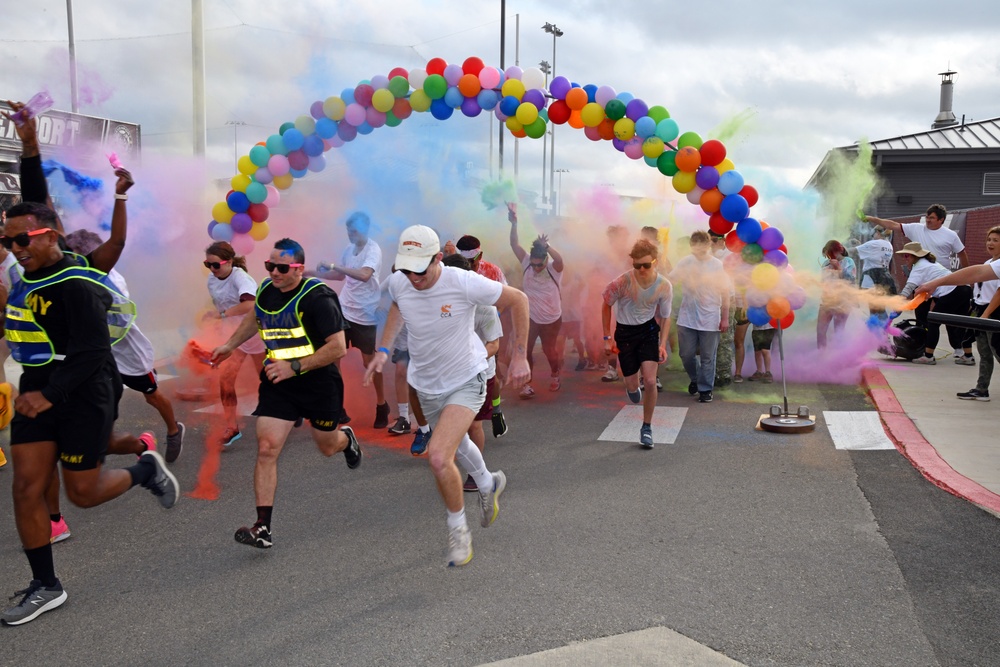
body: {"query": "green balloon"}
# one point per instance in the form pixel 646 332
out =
pixel 391 119
pixel 614 109
pixel 658 113
pixel 285 126
pixel 691 139
pixel 536 130
pixel 665 163
pixel 399 86
pixel 435 86
pixel 752 253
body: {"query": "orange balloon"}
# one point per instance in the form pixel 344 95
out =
pixel 520 134
pixel 764 225
pixel 688 159
pixel 778 307
pixel 711 200
pixel 606 129
pixel 469 85
pixel 575 119
pixel 576 99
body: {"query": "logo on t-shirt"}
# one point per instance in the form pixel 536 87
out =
pixel 446 310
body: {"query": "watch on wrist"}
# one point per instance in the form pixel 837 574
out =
pixel 296 366
pixel 607 338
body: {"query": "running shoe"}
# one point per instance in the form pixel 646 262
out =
pixel 958 353
pixel 163 484
pixel 975 395
pixel 611 375
pixel 768 378
pixel 401 427
pixel 554 383
pixel 693 388
pixel 659 385
pixel 591 366
pixel 490 502
pixel 299 422
pixel 581 365
pixel 344 417
pixel 756 377
pixel 527 392
pixel 257 535
pixel 704 397
pixel 381 416
pixel 352 454
pixel 459 546
pixel 6 403
pixel 634 396
pixel 420 440
pixel 925 361
pixel 3 459
pixel 37 600
pixel 149 439
pixel 966 360
pixel 230 436
pixel 737 379
pixel 499 423
pixel 175 443
pixel 470 485
pixel 60 531
pixel 646 436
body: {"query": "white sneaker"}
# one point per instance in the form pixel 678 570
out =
pixel 959 353
pixel 459 546
pixel 489 503
pixel 527 392
pixel 611 375
pixel 926 361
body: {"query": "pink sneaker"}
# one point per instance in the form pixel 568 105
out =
pixel 147 438
pixel 60 531
pixel 554 383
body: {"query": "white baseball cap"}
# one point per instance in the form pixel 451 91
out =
pixel 417 246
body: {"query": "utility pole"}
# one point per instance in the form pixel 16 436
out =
pixel 236 125
pixel 546 69
pixel 503 39
pixel 198 78
pixel 74 92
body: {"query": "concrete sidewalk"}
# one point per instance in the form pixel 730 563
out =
pixel 952 442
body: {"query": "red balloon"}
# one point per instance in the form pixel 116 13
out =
pixel 783 249
pixel 402 109
pixel 785 322
pixel 749 193
pixel 712 153
pixel 436 66
pixel 258 212
pixel 398 71
pixel 473 65
pixel 733 242
pixel 719 225
pixel 559 112
pixel 607 129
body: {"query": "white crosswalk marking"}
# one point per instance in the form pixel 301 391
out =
pixel 667 422
pixel 245 405
pixel 857 430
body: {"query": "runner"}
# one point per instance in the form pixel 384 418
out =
pixel 300 321
pixel 58 324
pixel 447 368
pixel 642 328
pixel 233 291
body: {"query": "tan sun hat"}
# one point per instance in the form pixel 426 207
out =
pixel 913 248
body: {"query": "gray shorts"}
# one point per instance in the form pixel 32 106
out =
pixel 470 395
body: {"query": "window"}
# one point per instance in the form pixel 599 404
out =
pixel 991 183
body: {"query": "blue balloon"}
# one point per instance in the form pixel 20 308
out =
pixel 731 182
pixel 453 97
pixel 313 145
pixel 758 315
pixel 625 97
pixel 347 94
pixel 734 207
pixel 747 230
pixel 365 128
pixel 509 105
pixel 487 99
pixel 440 110
pixel 645 127
pixel 238 202
pixel 298 173
pixel 326 128
pixel 293 139
pixel 591 92
pixel 222 232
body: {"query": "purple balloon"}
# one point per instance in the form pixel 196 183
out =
pixel 534 96
pixel 771 239
pixel 501 116
pixel 797 297
pixel 707 178
pixel 211 226
pixel 470 107
pixel 298 160
pixel 776 257
pixel 241 223
pixel 452 73
pixel 347 132
pixel 316 110
pixel 559 87
pixel 618 144
pixel 636 109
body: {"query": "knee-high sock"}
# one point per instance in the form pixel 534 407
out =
pixel 471 460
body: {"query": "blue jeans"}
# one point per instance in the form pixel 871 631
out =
pixel 697 349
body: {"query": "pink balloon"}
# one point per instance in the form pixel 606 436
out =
pixel 298 160
pixel 634 149
pixel 278 165
pixel 273 197
pixel 375 117
pixel 489 77
pixel 592 133
pixel 354 114
pixel 242 244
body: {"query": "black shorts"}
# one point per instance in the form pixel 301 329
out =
pixel 318 398
pixel 81 426
pixel 740 317
pixel 762 339
pixel 637 343
pixel 361 336
pixel 144 384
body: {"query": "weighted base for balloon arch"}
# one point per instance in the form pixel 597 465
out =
pixel 780 419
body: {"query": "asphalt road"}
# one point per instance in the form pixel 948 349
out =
pixel 772 550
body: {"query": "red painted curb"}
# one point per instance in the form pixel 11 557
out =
pixel 912 444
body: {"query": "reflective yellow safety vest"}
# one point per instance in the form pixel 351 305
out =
pixel 282 330
pixel 29 343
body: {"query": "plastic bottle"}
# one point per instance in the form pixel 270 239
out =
pixel 35 107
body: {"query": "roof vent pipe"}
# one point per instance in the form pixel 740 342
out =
pixel 946 117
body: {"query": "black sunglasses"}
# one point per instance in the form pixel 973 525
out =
pixel 537 265
pixel 407 272
pixel 282 268
pixel 23 239
pixel 215 265
pixel 642 265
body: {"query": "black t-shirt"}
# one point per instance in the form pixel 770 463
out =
pixel 74 314
pixel 319 309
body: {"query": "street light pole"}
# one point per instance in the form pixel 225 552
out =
pixel 557 198
pixel 555 32
pixel 236 124
pixel 546 69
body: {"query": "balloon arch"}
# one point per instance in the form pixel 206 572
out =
pixel 699 169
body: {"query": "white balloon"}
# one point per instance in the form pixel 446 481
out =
pixel 417 77
pixel 533 78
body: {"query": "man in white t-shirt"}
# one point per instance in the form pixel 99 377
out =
pixel 542 283
pixel 932 235
pixel 448 367
pixel 359 268
pixel 703 313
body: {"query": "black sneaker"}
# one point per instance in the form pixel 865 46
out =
pixel 693 388
pixel 175 443
pixel 470 485
pixel 353 452
pixel 299 422
pixel 257 535
pixel 37 600
pixel 163 484
pixel 581 365
pixel 401 427
pixel 974 395
pixel 499 424
pixel 704 397
pixel 344 417
pixel 381 416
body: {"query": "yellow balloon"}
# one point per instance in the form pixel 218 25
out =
pixel 512 87
pixel 513 124
pixel 383 100
pixel 526 113
pixel 259 231
pixel 624 128
pixel 240 182
pixel 222 213
pixel 283 182
pixel 765 276
pixel 652 147
pixel 725 165
pixel 246 165
pixel 334 108
pixel 592 114
pixel 419 101
pixel 684 182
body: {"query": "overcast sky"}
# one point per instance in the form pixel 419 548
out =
pixel 811 75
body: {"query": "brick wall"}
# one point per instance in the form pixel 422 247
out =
pixel 977 222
